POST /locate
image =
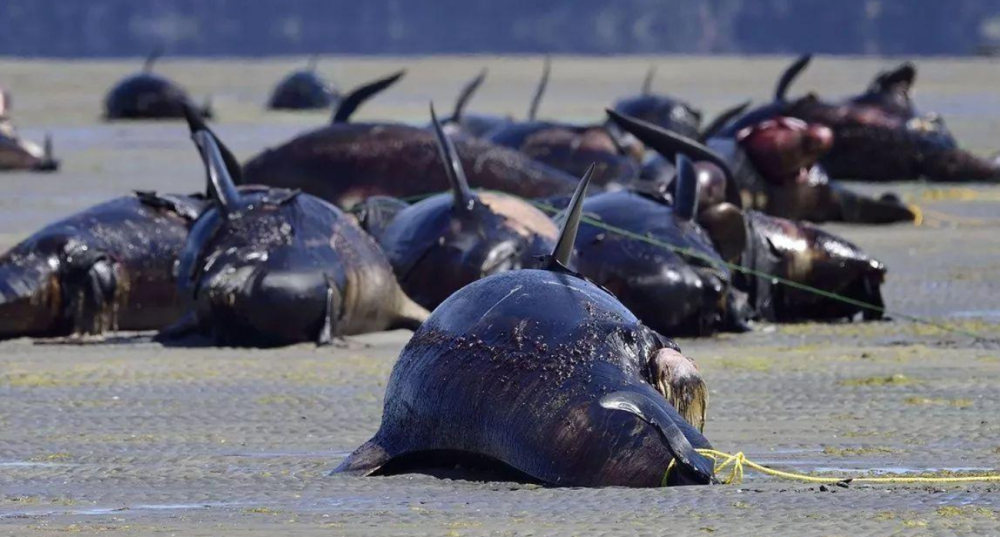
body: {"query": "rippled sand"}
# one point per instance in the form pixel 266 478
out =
pixel 125 437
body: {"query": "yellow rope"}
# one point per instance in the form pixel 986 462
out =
pixel 923 216
pixel 736 463
pixel 918 214
pixel 958 220
pixel 957 194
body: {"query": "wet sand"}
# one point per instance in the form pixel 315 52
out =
pixel 126 437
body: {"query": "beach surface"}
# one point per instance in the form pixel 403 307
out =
pixel 123 436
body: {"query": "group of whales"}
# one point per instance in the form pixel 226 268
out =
pixel 553 299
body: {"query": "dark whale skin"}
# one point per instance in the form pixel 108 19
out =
pixel 147 96
pixel 436 249
pixel 807 255
pixel 346 163
pixel 672 294
pixel 282 266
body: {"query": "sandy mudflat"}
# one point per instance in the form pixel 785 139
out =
pixel 125 437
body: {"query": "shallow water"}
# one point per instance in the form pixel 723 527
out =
pixel 126 437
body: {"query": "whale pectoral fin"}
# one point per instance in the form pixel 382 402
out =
pixel 873 295
pixel 692 467
pixel 90 286
pixel 365 460
pixel 326 331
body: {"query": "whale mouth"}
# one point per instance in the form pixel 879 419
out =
pixel 677 377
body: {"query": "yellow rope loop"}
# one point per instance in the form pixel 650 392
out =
pixel 924 216
pixel 738 461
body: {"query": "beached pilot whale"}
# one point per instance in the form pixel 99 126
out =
pixel 543 376
pixel 17 153
pixel 662 110
pixel 569 147
pixel 772 246
pixel 345 163
pixel 268 267
pixel 147 95
pixel 879 135
pixel 672 292
pixel 104 269
pixel 462 124
pixel 303 90
pixel 771 165
pixel 447 241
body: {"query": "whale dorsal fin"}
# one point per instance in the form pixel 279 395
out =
pixel 466 95
pixel 359 95
pixel 668 143
pixel 155 54
pixel 647 83
pixel 312 63
pixel 196 122
pixel 570 219
pixel 464 200
pixel 692 464
pixel 722 120
pixel 791 73
pixel 220 184
pixel 902 77
pixel 543 83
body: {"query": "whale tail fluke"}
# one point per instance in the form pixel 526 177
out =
pixel 364 461
pixel 409 314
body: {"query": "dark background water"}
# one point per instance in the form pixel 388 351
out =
pixel 108 28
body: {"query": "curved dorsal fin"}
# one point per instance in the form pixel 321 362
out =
pixel 543 83
pixel 466 95
pixel 685 189
pixel 721 120
pixel 196 122
pixel 571 223
pixel 789 76
pixel 647 83
pixel 147 66
pixel 904 74
pixel 219 162
pixel 359 95
pixel 464 200
pixel 668 143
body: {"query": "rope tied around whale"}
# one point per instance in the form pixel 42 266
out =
pixel 732 467
pixel 759 274
pixel 744 269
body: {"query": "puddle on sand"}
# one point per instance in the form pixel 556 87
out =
pixel 278 454
pixel 977 314
pixel 898 470
pixel 32 464
pixel 120 510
